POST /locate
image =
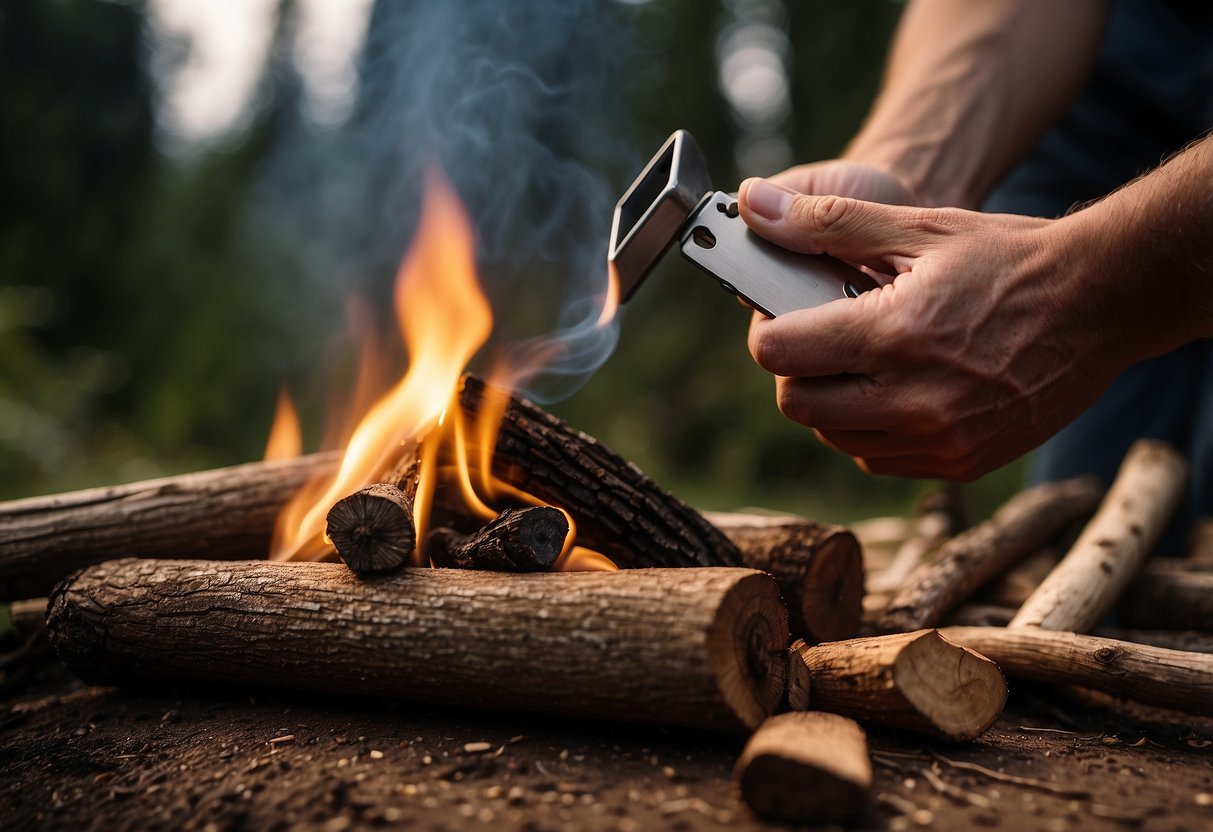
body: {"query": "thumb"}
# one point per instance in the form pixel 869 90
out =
pixel 882 237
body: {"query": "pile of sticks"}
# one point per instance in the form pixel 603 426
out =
pixel 715 621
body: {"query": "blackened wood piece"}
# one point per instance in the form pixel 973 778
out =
pixel 517 540
pixel 617 509
pixel 696 647
pixel 226 513
pixel 372 529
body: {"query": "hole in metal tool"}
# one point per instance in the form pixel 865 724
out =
pixel 850 290
pixel 703 238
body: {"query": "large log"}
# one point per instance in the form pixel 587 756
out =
pixel 226 513
pixel 617 509
pixel 987 615
pixel 1153 675
pixel 807 767
pixel 819 569
pixel 693 647
pixel 1026 522
pixel 917 681
pixel 1114 543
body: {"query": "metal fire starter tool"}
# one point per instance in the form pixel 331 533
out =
pixel 673 200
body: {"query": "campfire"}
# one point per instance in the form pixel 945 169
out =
pixel 469 548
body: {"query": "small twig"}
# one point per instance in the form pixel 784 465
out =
pixel 1030 729
pixel 897 804
pixel 956 793
pixel 1027 782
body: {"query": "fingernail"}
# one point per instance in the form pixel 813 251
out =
pixel 767 199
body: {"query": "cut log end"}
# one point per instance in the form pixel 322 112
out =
pixel 372 530
pixel 819 569
pixel 747 649
pixel 918 681
pixel 809 767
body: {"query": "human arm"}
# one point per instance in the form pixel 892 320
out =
pixel 969 89
pixel 997 330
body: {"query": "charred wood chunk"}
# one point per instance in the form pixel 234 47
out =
pixel 372 529
pixel 517 540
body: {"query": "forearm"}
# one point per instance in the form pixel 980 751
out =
pixel 1144 255
pixel 970 88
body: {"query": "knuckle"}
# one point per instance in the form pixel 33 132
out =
pixel 820 215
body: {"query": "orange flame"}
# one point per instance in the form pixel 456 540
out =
pixel 286 437
pixel 444 319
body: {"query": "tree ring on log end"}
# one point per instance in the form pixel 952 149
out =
pixel 747 648
pixel 949 700
pixel 832 599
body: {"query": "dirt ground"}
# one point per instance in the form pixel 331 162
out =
pixel 74 757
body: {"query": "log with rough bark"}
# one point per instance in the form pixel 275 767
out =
pixel 1026 522
pixel 517 540
pixel 218 514
pixel 917 681
pixel 1153 675
pixel 986 615
pixel 819 569
pixel 372 530
pixel 1114 543
pixel 1167 596
pixel 617 509
pixel 702 648
pixel 808 767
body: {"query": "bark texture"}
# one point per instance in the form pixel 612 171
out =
pixel 517 540
pixel 819 569
pixel 227 513
pixel 617 509
pixel 807 767
pixel 917 681
pixel 702 648
pixel 1113 545
pixel 1153 675
pixel 1028 521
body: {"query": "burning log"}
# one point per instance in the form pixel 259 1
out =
pixel 518 540
pixel 808 767
pixel 1026 522
pixel 1166 596
pixel 819 569
pixel 617 509
pixel 1112 546
pixel 695 647
pixel 1153 675
pixel 372 530
pixel 917 681
pixel 218 514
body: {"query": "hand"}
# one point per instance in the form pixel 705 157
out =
pixel 846 178
pixel 983 346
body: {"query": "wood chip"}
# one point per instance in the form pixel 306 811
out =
pixel 477 747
